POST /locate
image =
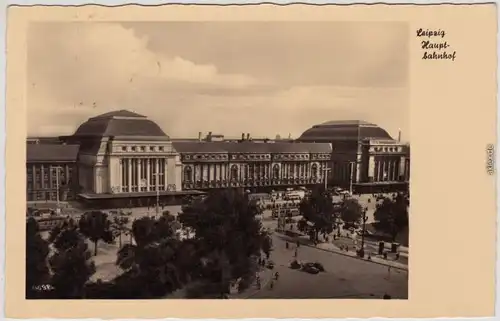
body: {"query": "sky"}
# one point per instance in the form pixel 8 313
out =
pixel 264 78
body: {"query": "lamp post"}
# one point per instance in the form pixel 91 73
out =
pixel 363 231
pixel 157 175
pixel 57 168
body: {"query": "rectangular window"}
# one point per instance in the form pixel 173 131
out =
pixel 134 175
pixel 45 170
pixel 143 175
pixel 124 166
pixel 37 178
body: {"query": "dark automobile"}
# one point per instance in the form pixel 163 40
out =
pixel 310 268
pixel 270 265
pixel 319 266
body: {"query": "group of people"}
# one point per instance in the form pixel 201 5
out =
pixel 271 283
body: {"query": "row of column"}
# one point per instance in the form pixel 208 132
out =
pixel 143 174
pixel 387 169
pixel 41 176
pixel 213 172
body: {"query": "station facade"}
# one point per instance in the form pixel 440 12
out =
pixel 365 158
pixel 122 159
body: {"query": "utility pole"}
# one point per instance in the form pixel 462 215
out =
pixel 57 168
pixel 365 218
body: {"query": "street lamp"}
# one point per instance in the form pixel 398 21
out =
pixel 363 232
pixel 57 168
pixel 157 174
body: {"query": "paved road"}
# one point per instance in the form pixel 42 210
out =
pixel 345 277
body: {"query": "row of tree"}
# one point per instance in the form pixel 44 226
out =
pixel 228 239
pixel 322 216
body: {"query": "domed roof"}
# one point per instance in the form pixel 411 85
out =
pixel 344 130
pixel 119 123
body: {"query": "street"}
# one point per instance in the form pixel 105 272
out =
pixel 344 277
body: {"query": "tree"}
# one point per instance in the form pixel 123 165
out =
pixel 319 211
pixel 267 244
pixel 151 264
pixel 391 215
pixel 95 226
pixel 351 212
pixel 226 230
pixel 37 270
pixel 119 227
pixel 70 264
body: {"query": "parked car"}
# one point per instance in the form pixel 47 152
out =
pixel 310 268
pixel 270 265
pixel 319 266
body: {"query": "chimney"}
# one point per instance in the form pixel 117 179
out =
pixel 209 136
pixel 242 136
pixel 399 136
pixel 199 136
pixel 248 136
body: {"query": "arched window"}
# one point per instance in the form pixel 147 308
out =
pixel 188 174
pixel 276 171
pixel 314 170
pixel 234 172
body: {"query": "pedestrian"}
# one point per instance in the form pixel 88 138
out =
pixel 385 255
pixel 271 284
pixel 389 272
pixel 296 252
pixel 298 244
pixel 276 275
pixel 397 256
pixel 287 245
pixel 347 248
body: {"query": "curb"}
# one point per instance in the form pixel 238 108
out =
pixel 348 255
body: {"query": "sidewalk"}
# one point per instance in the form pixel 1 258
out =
pixel 266 275
pixel 328 247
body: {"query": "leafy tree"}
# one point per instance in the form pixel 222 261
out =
pixel 70 264
pixel 151 264
pixel 120 226
pixel 391 214
pixel 351 212
pixel 267 244
pixel 96 226
pixel 37 270
pixel 319 211
pixel 226 230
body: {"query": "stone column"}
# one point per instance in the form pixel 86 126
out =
pixel 148 173
pixel 129 176
pixel 358 168
pixel 157 176
pixel 402 164
pixel 371 168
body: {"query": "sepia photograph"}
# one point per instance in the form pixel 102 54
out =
pixel 217 160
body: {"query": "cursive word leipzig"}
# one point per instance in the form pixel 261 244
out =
pixel 435 47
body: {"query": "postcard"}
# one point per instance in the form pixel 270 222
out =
pixel 286 161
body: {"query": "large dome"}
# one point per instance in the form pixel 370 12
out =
pixel 344 130
pixel 119 123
